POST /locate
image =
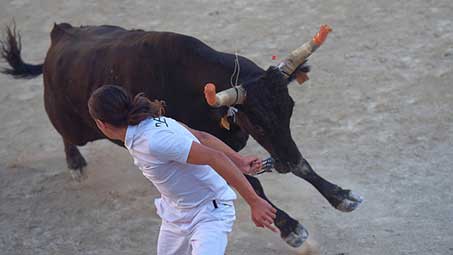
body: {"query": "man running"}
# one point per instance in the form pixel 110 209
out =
pixel 186 166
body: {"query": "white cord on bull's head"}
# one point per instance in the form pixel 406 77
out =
pixel 232 112
pixel 234 77
pixel 236 71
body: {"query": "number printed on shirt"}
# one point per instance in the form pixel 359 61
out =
pixel 160 121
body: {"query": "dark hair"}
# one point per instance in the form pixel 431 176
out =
pixel 114 105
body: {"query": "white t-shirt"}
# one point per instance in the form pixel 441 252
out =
pixel 160 147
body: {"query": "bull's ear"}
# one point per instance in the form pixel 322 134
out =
pixel 224 123
pixel 304 67
pixel 301 77
pixel 301 74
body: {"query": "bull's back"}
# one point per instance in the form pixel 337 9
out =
pixel 83 59
pixel 164 65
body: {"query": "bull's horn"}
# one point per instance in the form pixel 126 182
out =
pixel 226 97
pixel 298 56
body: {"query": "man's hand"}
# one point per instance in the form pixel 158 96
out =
pixel 263 214
pixel 249 164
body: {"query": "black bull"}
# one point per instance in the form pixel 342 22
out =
pixel 174 68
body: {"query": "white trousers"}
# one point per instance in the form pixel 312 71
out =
pixel 201 231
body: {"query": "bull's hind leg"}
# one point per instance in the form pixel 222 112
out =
pixel 290 229
pixel 65 118
pixel 341 199
pixel 76 162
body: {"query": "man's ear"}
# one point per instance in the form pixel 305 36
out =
pixel 100 124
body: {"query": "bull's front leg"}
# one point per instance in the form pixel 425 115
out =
pixel 291 231
pixel 341 199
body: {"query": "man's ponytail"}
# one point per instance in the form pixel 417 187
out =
pixel 143 108
pixel 114 105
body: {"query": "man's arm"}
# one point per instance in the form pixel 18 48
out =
pixel 263 214
pixel 248 165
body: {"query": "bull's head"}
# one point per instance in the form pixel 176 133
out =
pixel 265 106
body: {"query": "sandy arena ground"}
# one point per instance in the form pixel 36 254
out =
pixel 375 117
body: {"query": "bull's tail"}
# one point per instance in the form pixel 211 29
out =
pixel 10 52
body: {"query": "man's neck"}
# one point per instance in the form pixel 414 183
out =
pixel 119 134
pixel 122 134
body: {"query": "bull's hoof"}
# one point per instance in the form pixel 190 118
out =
pixel 350 202
pixel 78 175
pixel 76 161
pixel 297 237
pixel 76 165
